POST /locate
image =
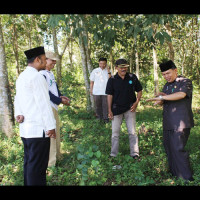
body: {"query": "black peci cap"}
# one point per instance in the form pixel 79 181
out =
pixel 167 65
pixel 31 53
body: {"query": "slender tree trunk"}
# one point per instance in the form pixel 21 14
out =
pixel 58 62
pixel 38 38
pixel 85 72
pixel 90 68
pixel 70 47
pixel 89 62
pixel 6 106
pixel 85 43
pixel 183 59
pixel 15 45
pixel 28 31
pixel 111 61
pixel 155 67
pixel 71 53
pixel 155 63
pixel 85 35
pixel 137 64
pixel 197 50
pixel 192 55
pixel 182 67
pixel 171 48
pixel 131 60
pixel 60 56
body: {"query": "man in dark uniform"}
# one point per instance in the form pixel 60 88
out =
pixel 176 98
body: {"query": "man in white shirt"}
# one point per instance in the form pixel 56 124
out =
pixel 56 98
pixel 33 112
pixel 98 81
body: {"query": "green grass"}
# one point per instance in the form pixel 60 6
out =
pixel 86 145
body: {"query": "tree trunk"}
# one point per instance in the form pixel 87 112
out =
pixel 28 31
pixel 70 51
pixel 6 111
pixel 86 46
pixel 84 35
pixel 137 64
pixel 58 62
pixel 197 49
pixel 171 49
pixel 111 61
pixel 90 68
pixel 155 63
pixel 192 55
pixel 39 40
pixel 131 60
pixel 85 73
pixel 88 58
pixel 15 45
pixel 183 59
pixel 155 67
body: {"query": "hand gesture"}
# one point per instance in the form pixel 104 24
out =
pixel 160 93
pixel 157 101
pixel 134 106
pixel 108 68
pixel 51 133
pixel 110 115
pixel 65 100
pixel 20 118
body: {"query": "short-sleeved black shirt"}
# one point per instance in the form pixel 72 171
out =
pixel 123 92
pixel 178 114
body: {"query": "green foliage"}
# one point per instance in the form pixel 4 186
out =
pixel 55 19
pixel 11 161
pixel 88 164
pixel 86 144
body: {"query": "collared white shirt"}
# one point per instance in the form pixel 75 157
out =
pixel 51 85
pixel 33 102
pixel 100 78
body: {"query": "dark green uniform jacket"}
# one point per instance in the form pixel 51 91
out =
pixel 178 114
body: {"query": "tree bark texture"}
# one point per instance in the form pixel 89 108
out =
pixel 6 114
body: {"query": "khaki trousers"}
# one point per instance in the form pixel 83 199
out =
pixel 130 118
pixel 55 143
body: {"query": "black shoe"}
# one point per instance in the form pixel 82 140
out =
pixel 188 181
pixel 136 157
pixel 106 121
pixel 191 179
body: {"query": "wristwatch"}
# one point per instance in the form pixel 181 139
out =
pixel 161 97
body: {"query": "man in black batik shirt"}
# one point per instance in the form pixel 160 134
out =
pixel 176 98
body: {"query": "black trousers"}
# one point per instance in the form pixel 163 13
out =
pixel 174 142
pixel 101 105
pixel 36 156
